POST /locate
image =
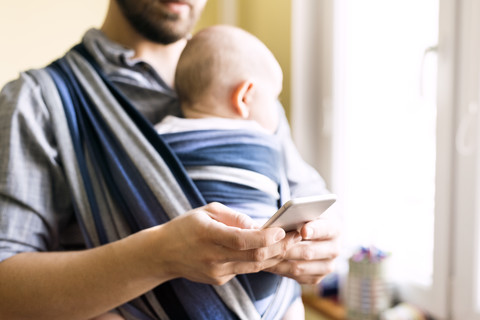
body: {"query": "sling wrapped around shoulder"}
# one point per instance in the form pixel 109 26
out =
pixel 124 178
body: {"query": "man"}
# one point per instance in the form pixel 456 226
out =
pixel 210 244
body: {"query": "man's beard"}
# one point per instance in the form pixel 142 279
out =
pixel 154 24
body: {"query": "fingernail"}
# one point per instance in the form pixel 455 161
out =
pixel 280 235
pixel 308 232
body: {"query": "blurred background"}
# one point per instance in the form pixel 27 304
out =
pixel 382 98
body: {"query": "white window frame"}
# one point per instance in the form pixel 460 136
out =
pixel 436 299
pixel 465 295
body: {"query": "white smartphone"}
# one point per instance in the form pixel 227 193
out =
pixel 296 212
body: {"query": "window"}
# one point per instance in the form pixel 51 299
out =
pixel 386 115
pixel 395 89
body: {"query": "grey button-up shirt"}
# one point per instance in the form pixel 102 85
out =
pixel 36 212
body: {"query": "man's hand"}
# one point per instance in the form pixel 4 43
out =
pixel 210 244
pixel 310 260
pixel 213 243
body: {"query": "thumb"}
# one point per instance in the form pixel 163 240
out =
pixel 229 217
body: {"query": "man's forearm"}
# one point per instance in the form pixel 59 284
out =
pixel 74 285
pixel 210 244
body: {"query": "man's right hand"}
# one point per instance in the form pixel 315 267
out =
pixel 212 244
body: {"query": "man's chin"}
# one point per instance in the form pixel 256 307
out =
pixel 165 37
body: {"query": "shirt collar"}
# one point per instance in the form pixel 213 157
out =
pixel 106 51
pixel 117 60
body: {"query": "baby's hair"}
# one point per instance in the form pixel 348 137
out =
pixel 216 59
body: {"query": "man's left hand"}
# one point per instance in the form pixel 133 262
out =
pixel 309 261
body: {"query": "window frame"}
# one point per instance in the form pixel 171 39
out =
pixel 465 273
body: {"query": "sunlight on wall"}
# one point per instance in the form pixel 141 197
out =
pixel 211 15
pixel 258 18
pixel 33 33
pixel 270 20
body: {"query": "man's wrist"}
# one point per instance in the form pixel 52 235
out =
pixel 142 256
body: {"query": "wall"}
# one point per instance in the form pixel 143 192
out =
pixel 33 33
pixel 269 20
pixel 211 14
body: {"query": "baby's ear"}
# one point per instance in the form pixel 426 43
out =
pixel 242 98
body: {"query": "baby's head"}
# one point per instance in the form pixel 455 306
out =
pixel 227 72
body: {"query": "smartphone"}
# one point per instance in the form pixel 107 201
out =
pixel 296 212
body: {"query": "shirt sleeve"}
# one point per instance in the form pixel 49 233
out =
pixel 34 198
pixel 303 180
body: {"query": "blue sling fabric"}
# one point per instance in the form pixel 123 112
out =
pixel 258 152
pixel 246 150
pixel 99 152
pixel 251 152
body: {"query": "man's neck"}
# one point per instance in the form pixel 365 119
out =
pixel 163 58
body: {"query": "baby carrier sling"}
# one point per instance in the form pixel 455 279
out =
pixel 240 168
pixel 125 178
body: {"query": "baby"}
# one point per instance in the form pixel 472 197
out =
pixel 228 83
